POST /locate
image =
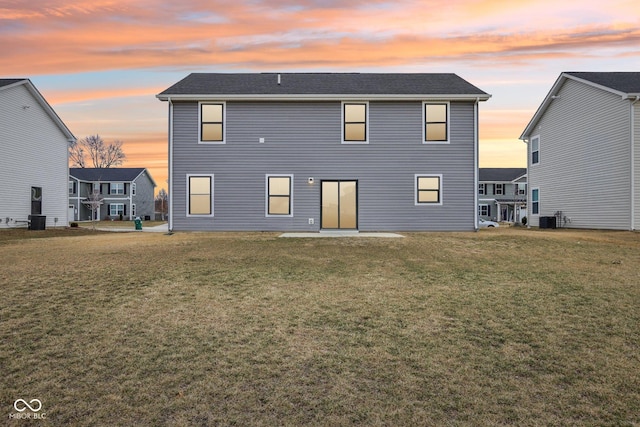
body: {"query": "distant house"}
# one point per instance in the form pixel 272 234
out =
pixel 34 159
pixel 584 152
pixel 323 151
pixel 127 193
pixel 502 194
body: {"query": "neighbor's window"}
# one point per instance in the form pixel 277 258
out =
pixel 116 209
pixel 36 200
pixel 212 122
pixel 535 201
pixel 428 189
pixel 484 210
pixel 200 195
pixel 133 210
pixel 521 189
pixel 279 195
pixel 72 187
pixel 133 189
pixel 535 150
pixel 116 188
pixel 354 122
pixel 436 122
pixel 482 189
pixel 498 189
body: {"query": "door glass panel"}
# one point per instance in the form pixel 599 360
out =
pixel 348 204
pixel 330 205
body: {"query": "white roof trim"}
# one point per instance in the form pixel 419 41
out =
pixel 45 105
pixel 529 130
pixel 324 97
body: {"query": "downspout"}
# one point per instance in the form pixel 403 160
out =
pixel 476 144
pixel 633 163
pixel 526 197
pixel 170 157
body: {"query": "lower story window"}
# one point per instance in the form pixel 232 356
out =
pixel 535 201
pixel 116 209
pixel 279 195
pixel 484 210
pixel 428 189
pixel 200 195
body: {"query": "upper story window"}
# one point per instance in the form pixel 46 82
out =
pixel 133 189
pixel 354 122
pixel 72 187
pixel 436 123
pixel 212 118
pixel 482 189
pixel 535 150
pixel 200 195
pixel 116 188
pixel 498 189
pixel 279 195
pixel 428 189
pixel 521 189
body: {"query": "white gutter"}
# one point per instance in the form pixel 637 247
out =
pixel 633 162
pixel 476 148
pixel 170 184
pixel 323 97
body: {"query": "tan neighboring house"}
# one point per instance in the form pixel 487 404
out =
pixel 34 163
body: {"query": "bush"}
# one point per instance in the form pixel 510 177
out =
pixel 73 225
pixel 524 220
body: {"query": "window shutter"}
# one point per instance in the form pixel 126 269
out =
pixel 108 209
pixel 125 187
pixel 108 188
pixel 488 210
pixel 124 211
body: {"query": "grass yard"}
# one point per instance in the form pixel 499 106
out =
pixel 500 327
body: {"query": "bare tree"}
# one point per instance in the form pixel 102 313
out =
pixel 162 203
pixel 93 149
pixel 93 201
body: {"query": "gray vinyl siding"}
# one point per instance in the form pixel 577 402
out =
pixel 303 139
pixel 584 163
pixel 34 154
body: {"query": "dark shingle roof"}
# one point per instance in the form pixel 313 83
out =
pixel 627 82
pixel 322 84
pixel 7 82
pixel 105 174
pixel 500 174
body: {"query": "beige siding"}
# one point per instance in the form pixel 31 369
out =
pixel 584 163
pixel 34 154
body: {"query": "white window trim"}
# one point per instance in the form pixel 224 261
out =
pixel 111 184
pixel 532 202
pixel 531 150
pixel 424 122
pixel 366 125
pixel 484 189
pixel 212 196
pixel 483 205
pixel 133 188
pixel 111 205
pixel 266 195
pixel 133 210
pixel 224 123
pixel 415 188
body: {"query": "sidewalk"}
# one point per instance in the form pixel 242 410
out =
pixel 163 228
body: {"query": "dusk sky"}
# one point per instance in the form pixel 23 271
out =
pixel 100 63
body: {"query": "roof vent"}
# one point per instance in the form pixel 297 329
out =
pixel 279 79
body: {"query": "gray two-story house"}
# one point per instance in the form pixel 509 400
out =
pixel 126 193
pixel 323 151
pixel 502 194
pixel 583 151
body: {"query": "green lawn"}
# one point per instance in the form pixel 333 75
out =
pixel 500 327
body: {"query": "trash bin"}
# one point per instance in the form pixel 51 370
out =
pixel 138 223
pixel 37 222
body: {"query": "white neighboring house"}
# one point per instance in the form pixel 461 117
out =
pixel 34 167
pixel 583 150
